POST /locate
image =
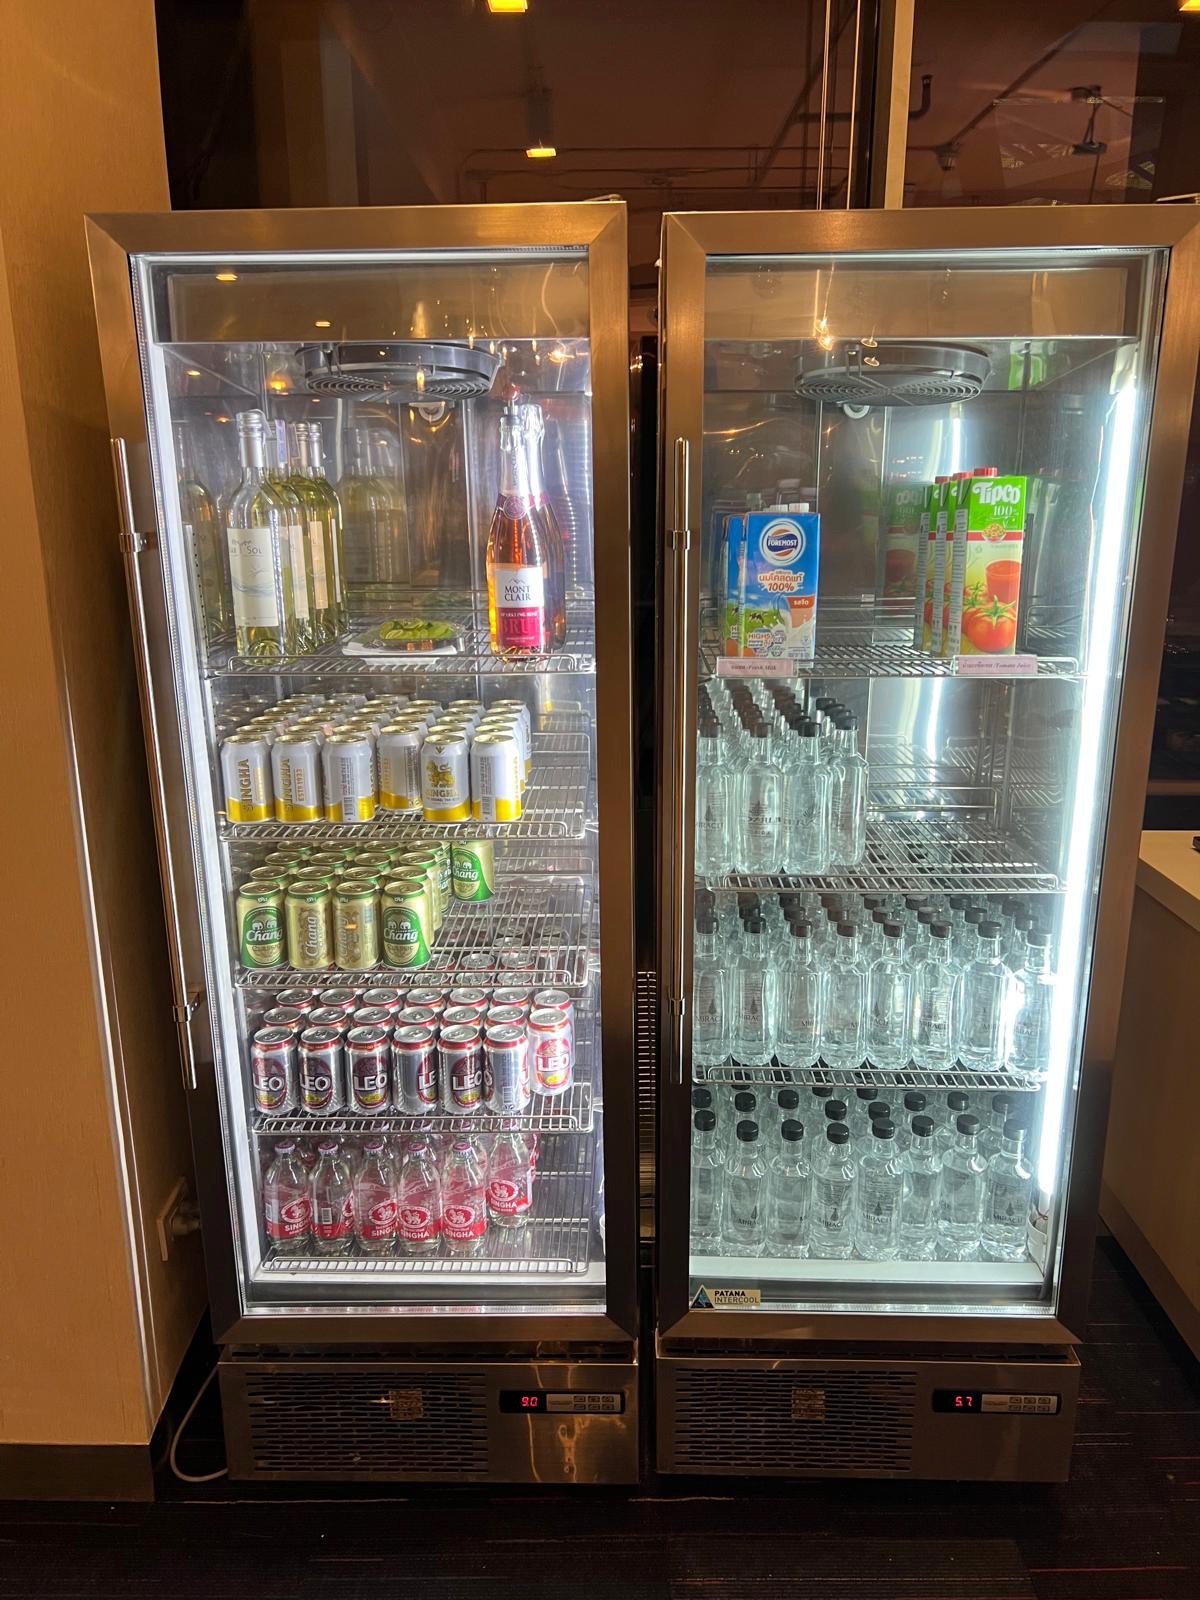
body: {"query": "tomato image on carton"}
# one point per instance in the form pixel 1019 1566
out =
pixel 988 544
pixel 771 592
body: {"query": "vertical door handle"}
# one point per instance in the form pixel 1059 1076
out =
pixel 681 543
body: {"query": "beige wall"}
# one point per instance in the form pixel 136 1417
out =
pixel 92 1322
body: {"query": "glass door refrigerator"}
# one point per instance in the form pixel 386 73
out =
pixel 373 468
pixel 920 480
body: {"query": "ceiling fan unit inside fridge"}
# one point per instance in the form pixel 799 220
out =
pixel 412 371
pixel 861 373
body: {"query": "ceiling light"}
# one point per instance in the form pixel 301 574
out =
pixel 1189 5
pixel 507 8
pixel 227 277
pixel 193 372
pixel 541 152
pixel 322 322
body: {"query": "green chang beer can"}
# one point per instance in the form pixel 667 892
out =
pixel 282 860
pixel 473 869
pixel 426 865
pixel 355 925
pixel 260 924
pixel 267 875
pixel 404 915
pixel 310 877
pixel 309 926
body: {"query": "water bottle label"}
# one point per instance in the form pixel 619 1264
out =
pixel 289 1219
pixel 331 1222
pixel 462 1221
pixel 418 1224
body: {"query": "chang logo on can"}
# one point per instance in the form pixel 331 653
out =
pixel 782 542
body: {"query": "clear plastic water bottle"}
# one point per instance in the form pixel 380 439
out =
pixel 860 1102
pixel 708 1184
pixel 936 1005
pixel 798 1031
pixel 419 1199
pixel 961 1194
pixel 787 1104
pixel 1033 1007
pixel 464 1199
pixel 744 1226
pixel 991 1135
pixel 947 1132
pixel 880 1178
pixel 376 1213
pixel 760 805
pixel 889 1003
pixel 914 1106
pixel 287 1202
pixel 789 1194
pixel 752 1008
pixel 1018 934
pixel 847 796
pixel 966 935
pixel 1006 1201
pixel 987 1009
pixel 834 1186
pixel 710 996
pixel 714 808
pixel 919 1193
pixel 332 1186
pixel 844 1004
pixel 743 1107
pixel 806 803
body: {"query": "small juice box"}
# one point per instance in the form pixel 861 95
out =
pixel 906 513
pixel 988 544
pixel 771 592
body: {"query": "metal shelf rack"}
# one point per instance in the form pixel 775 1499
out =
pixel 912 1077
pixel 885 652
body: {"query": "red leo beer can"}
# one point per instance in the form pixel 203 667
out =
pixel 506 1087
pixel 460 1062
pixel 550 1047
pixel 321 1071
pixel 328 1017
pixel 459 1016
pixel 505 1016
pixel 557 1000
pixel 389 1000
pixel 301 999
pixel 368 1069
pixel 339 999
pixel 289 1017
pixel 417 1017
pixel 273 1071
pixel 477 999
pixel 372 1017
pixel 414 1071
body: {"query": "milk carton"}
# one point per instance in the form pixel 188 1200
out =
pixel 771 584
pixel 987 545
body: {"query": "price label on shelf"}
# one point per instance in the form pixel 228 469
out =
pixel 996 667
pixel 754 667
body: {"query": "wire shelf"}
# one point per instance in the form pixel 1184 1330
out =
pixel 556 1242
pixel 556 806
pixel 534 929
pixel 578 655
pixel 883 652
pixel 921 856
pixel 733 1072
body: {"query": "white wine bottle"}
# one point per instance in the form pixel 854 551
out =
pixel 260 561
pixel 279 472
pixel 376 525
pixel 206 545
pixel 324 627
pixel 335 557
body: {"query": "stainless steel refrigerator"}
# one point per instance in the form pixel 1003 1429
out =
pixel 900 802
pixel 406 337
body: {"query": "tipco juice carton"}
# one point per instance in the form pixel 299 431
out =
pixel 933 631
pixel 988 541
pixel 901 550
pixel 771 589
pixel 923 587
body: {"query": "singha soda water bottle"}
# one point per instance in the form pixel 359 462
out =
pixel 464 1199
pixel 375 1211
pixel 419 1199
pixel 332 1191
pixel 287 1207
pixel 510 1178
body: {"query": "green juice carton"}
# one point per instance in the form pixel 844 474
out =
pixel 941 517
pixel 907 510
pixel 987 544
pixel 771 584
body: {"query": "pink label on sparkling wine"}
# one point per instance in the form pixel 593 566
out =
pixel 461 1222
pixel 520 608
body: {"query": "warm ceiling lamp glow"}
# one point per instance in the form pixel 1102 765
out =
pixel 226 277
pixel 541 152
pixel 509 8
pixel 322 322
pixel 193 372
pixel 1189 5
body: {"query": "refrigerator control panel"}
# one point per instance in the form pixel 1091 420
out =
pixel 559 1402
pixel 977 1402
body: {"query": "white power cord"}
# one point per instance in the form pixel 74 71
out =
pixel 188 1477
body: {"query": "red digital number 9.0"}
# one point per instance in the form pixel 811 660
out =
pixel 529 1401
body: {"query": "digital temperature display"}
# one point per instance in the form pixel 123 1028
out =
pixel 522 1399
pixel 559 1402
pixel 959 1400
pixel 983 1403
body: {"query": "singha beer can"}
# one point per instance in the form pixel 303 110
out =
pixel 460 1065
pixel 296 778
pixel 473 869
pixel 246 777
pixel 550 1047
pixel 260 925
pixel 368 1069
pixel 398 751
pixel 404 919
pixel 309 927
pixel 273 1071
pixel 414 1070
pixel 445 779
pixel 496 778
pixel 506 1087
pixel 349 778
pixel 321 1087
pixel 355 926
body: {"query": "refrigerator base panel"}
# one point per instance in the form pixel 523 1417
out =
pixel 363 1419
pixel 810 1417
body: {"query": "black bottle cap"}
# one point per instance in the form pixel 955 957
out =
pixel 872 901
pixel 957 1100
pixel 837 1133
pixel 973 915
pixel 881 916
pixel 1014 1128
pixel 959 902
pixel 809 729
pixel 847 720
pixel 922 1127
pixel 800 929
pixel 914 1100
pixel 823 1091
pixel 967 1123
pixel 940 930
pixel 879 1111
pixel 913 902
pixel 1037 937
pixel 704 1121
pixel 999 1102
pixel 989 930
pixel 792 1130
pixel 701 1099
pixel 824 702
pixel 744 1101
pixel 787 1100
pixel 835 1110
pixel 892 930
pixel 867 1091
pixel 747 1132
pixel 925 916
pixel 883 1129
pixel 846 930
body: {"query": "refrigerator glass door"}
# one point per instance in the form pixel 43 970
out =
pixel 378 869
pixel 904 628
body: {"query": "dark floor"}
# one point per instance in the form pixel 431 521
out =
pixel 1127 1526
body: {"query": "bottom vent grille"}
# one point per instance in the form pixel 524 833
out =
pixel 339 1422
pixel 796 1420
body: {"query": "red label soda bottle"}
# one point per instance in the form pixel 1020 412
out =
pixel 419 1196
pixel 464 1199
pixel 287 1209
pixel 376 1214
pixel 332 1190
pixel 510 1178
